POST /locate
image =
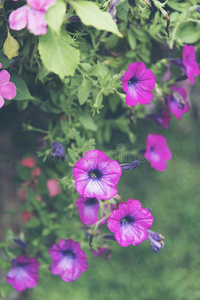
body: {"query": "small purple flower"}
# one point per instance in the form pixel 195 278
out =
pixel 156 240
pixel 7 88
pixel 20 243
pixel 112 8
pixel 88 209
pixel 57 150
pixel 157 151
pixel 138 83
pixel 177 102
pixel 133 165
pixel 99 251
pixel 69 261
pixel 24 273
pixel 130 223
pixel 96 176
pixel 162 118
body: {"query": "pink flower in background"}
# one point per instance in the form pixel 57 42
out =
pixel 69 261
pixel 99 251
pixel 53 187
pixel 29 162
pixel 162 118
pixel 88 209
pixel 7 88
pixel 24 273
pixel 96 175
pixel 32 16
pixel 177 102
pixel 190 64
pixel 130 223
pixel 138 83
pixel 157 151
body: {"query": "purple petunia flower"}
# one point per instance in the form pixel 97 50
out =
pixel 96 175
pixel 156 240
pixel 7 88
pixel 130 223
pixel 157 151
pixel 99 251
pixel 24 273
pixel 162 118
pixel 138 83
pixel 177 102
pixel 88 209
pixel 69 261
pixel 58 150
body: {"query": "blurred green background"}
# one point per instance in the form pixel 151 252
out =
pixel 137 272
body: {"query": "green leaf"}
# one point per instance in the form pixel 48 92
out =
pixel 55 15
pixel 188 33
pixel 57 55
pixel 10 47
pixel 84 91
pixel 88 122
pixel 22 90
pixel 33 222
pixel 91 15
pixel 4 60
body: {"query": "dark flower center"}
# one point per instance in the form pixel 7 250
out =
pixel 152 148
pixel 69 254
pixel 133 81
pixel 95 174
pixel 126 220
pixel 91 201
pixel 178 99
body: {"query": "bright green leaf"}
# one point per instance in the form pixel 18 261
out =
pixel 10 47
pixel 88 122
pixel 22 90
pixel 91 15
pixel 55 15
pixel 84 91
pixel 57 55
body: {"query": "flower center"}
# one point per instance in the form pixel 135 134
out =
pixel 152 148
pixel 126 220
pixel 91 201
pixel 69 254
pixel 95 174
pixel 133 81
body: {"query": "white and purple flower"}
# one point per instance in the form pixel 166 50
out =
pixel 138 83
pixel 69 261
pixel 24 273
pixel 130 223
pixel 96 175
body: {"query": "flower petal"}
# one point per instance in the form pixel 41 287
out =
pixel 36 22
pixel 18 18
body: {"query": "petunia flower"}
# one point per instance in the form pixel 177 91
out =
pixel 88 209
pixel 29 162
pixel 69 261
pixel 53 187
pixel 58 150
pixel 24 273
pixel 133 165
pixel 32 16
pixel 162 118
pixel 188 64
pixel 157 151
pixel 7 88
pixel 177 102
pixel 130 223
pixel 156 240
pixel 96 175
pixel 138 83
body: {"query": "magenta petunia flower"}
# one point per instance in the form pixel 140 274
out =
pixel 88 209
pixel 162 118
pixel 99 251
pixel 190 64
pixel 130 223
pixel 24 273
pixel 96 175
pixel 138 83
pixel 53 187
pixel 157 151
pixel 32 16
pixel 7 88
pixel 177 102
pixel 69 261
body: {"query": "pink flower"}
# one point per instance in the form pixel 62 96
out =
pixel 88 209
pixel 99 251
pixel 138 83
pixel 96 175
pixel 130 223
pixel 32 16
pixel 162 118
pixel 24 273
pixel 7 88
pixel 53 187
pixel 69 261
pixel 28 162
pixel 177 102
pixel 190 64
pixel 157 151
